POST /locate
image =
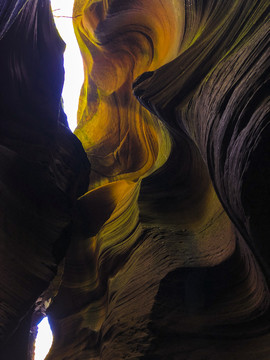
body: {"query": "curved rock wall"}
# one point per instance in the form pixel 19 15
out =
pixel 166 253
pixel 169 276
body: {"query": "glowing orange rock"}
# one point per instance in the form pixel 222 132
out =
pixel 118 43
pixel 155 267
pixel 169 276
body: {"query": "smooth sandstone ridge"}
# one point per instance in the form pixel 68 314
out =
pixel 161 250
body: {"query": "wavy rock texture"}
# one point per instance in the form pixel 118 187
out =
pixel 119 41
pixel 166 254
pixel 177 271
pixel 221 100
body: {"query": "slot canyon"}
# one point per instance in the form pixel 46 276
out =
pixel 144 234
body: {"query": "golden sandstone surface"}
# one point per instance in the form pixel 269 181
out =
pixel 166 254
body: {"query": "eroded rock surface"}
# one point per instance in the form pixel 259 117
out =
pixel 168 254
pixel 171 274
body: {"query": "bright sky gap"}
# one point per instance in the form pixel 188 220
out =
pixel 44 340
pixel 62 11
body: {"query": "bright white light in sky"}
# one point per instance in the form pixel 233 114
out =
pixel 62 11
pixel 44 340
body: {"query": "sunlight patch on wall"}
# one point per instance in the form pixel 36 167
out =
pixel 62 11
pixel 43 340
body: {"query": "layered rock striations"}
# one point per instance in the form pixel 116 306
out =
pixel 166 252
pixel 172 273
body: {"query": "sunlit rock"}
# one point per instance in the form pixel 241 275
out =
pixel 119 41
pixel 166 252
pixel 169 276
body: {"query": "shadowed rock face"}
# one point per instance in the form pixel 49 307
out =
pixel 166 255
pixel 43 167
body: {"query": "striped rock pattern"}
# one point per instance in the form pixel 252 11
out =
pixel 165 255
